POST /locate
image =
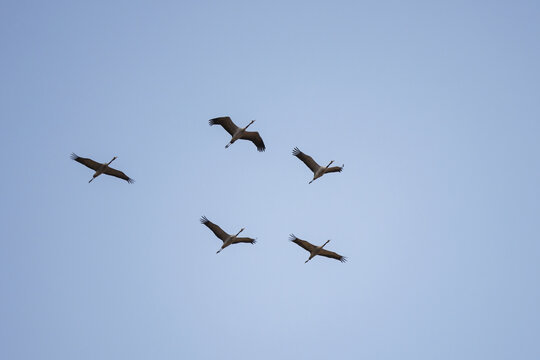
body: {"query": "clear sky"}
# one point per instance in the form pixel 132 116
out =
pixel 433 107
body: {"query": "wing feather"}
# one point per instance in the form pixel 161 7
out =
pixel 225 122
pixel 117 173
pixel 244 240
pixel 306 159
pixel 255 138
pixel 333 255
pixel 222 235
pixel 94 165
pixel 302 243
pixel 334 169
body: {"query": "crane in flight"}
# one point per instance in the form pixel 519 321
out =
pixel 101 168
pixel 316 250
pixel 223 236
pixel 238 133
pixel 318 170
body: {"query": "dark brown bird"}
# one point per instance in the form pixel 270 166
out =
pixel 318 170
pixel 101 168
pixel 316 250
pixel 223 236
pixel 238 133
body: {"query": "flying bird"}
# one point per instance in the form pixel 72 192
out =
pixel 101 168
pixel 238 133
pixel 316 250
pixel 318 170
pixel 223 236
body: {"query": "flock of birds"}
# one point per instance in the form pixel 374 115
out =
pixel 237 133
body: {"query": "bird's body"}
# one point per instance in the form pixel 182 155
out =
pixel 223 236
pixel 316 250
pixel 101 168
pixel 238 133
pixel 318 170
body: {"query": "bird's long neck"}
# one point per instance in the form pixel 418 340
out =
pixel 252 121
pixel 327 241
pixel 109 163
pixel 330 163
pixel 239 232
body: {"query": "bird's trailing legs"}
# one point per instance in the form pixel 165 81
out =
pixel 95 176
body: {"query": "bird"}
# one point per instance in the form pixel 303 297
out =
pixel 238 133
pixel 316 250
pixel 223 236
pixel 318 170
pixel 101 168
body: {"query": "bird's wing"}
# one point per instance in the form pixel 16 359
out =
pixel 332 255
pixel 117 173
pixel 86 162
pixel 334 169
pixel 226 122
pixel 215 229
pixel 244 240
pixel 306 159
pixel 302 243
pixel 255 138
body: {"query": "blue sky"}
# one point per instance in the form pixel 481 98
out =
pixel 432 107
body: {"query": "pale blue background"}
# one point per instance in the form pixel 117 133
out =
pixel 433 107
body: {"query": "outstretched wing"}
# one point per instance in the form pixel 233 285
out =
pixel 334 169
pixel 86 162
pixel 117 173
pixel 255 138
pixel 306 159
pixel 333 255
pixel 226 122
pixel 302 243
pixel 244 240
pixel 222 235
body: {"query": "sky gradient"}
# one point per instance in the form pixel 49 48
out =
pixel 432 106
